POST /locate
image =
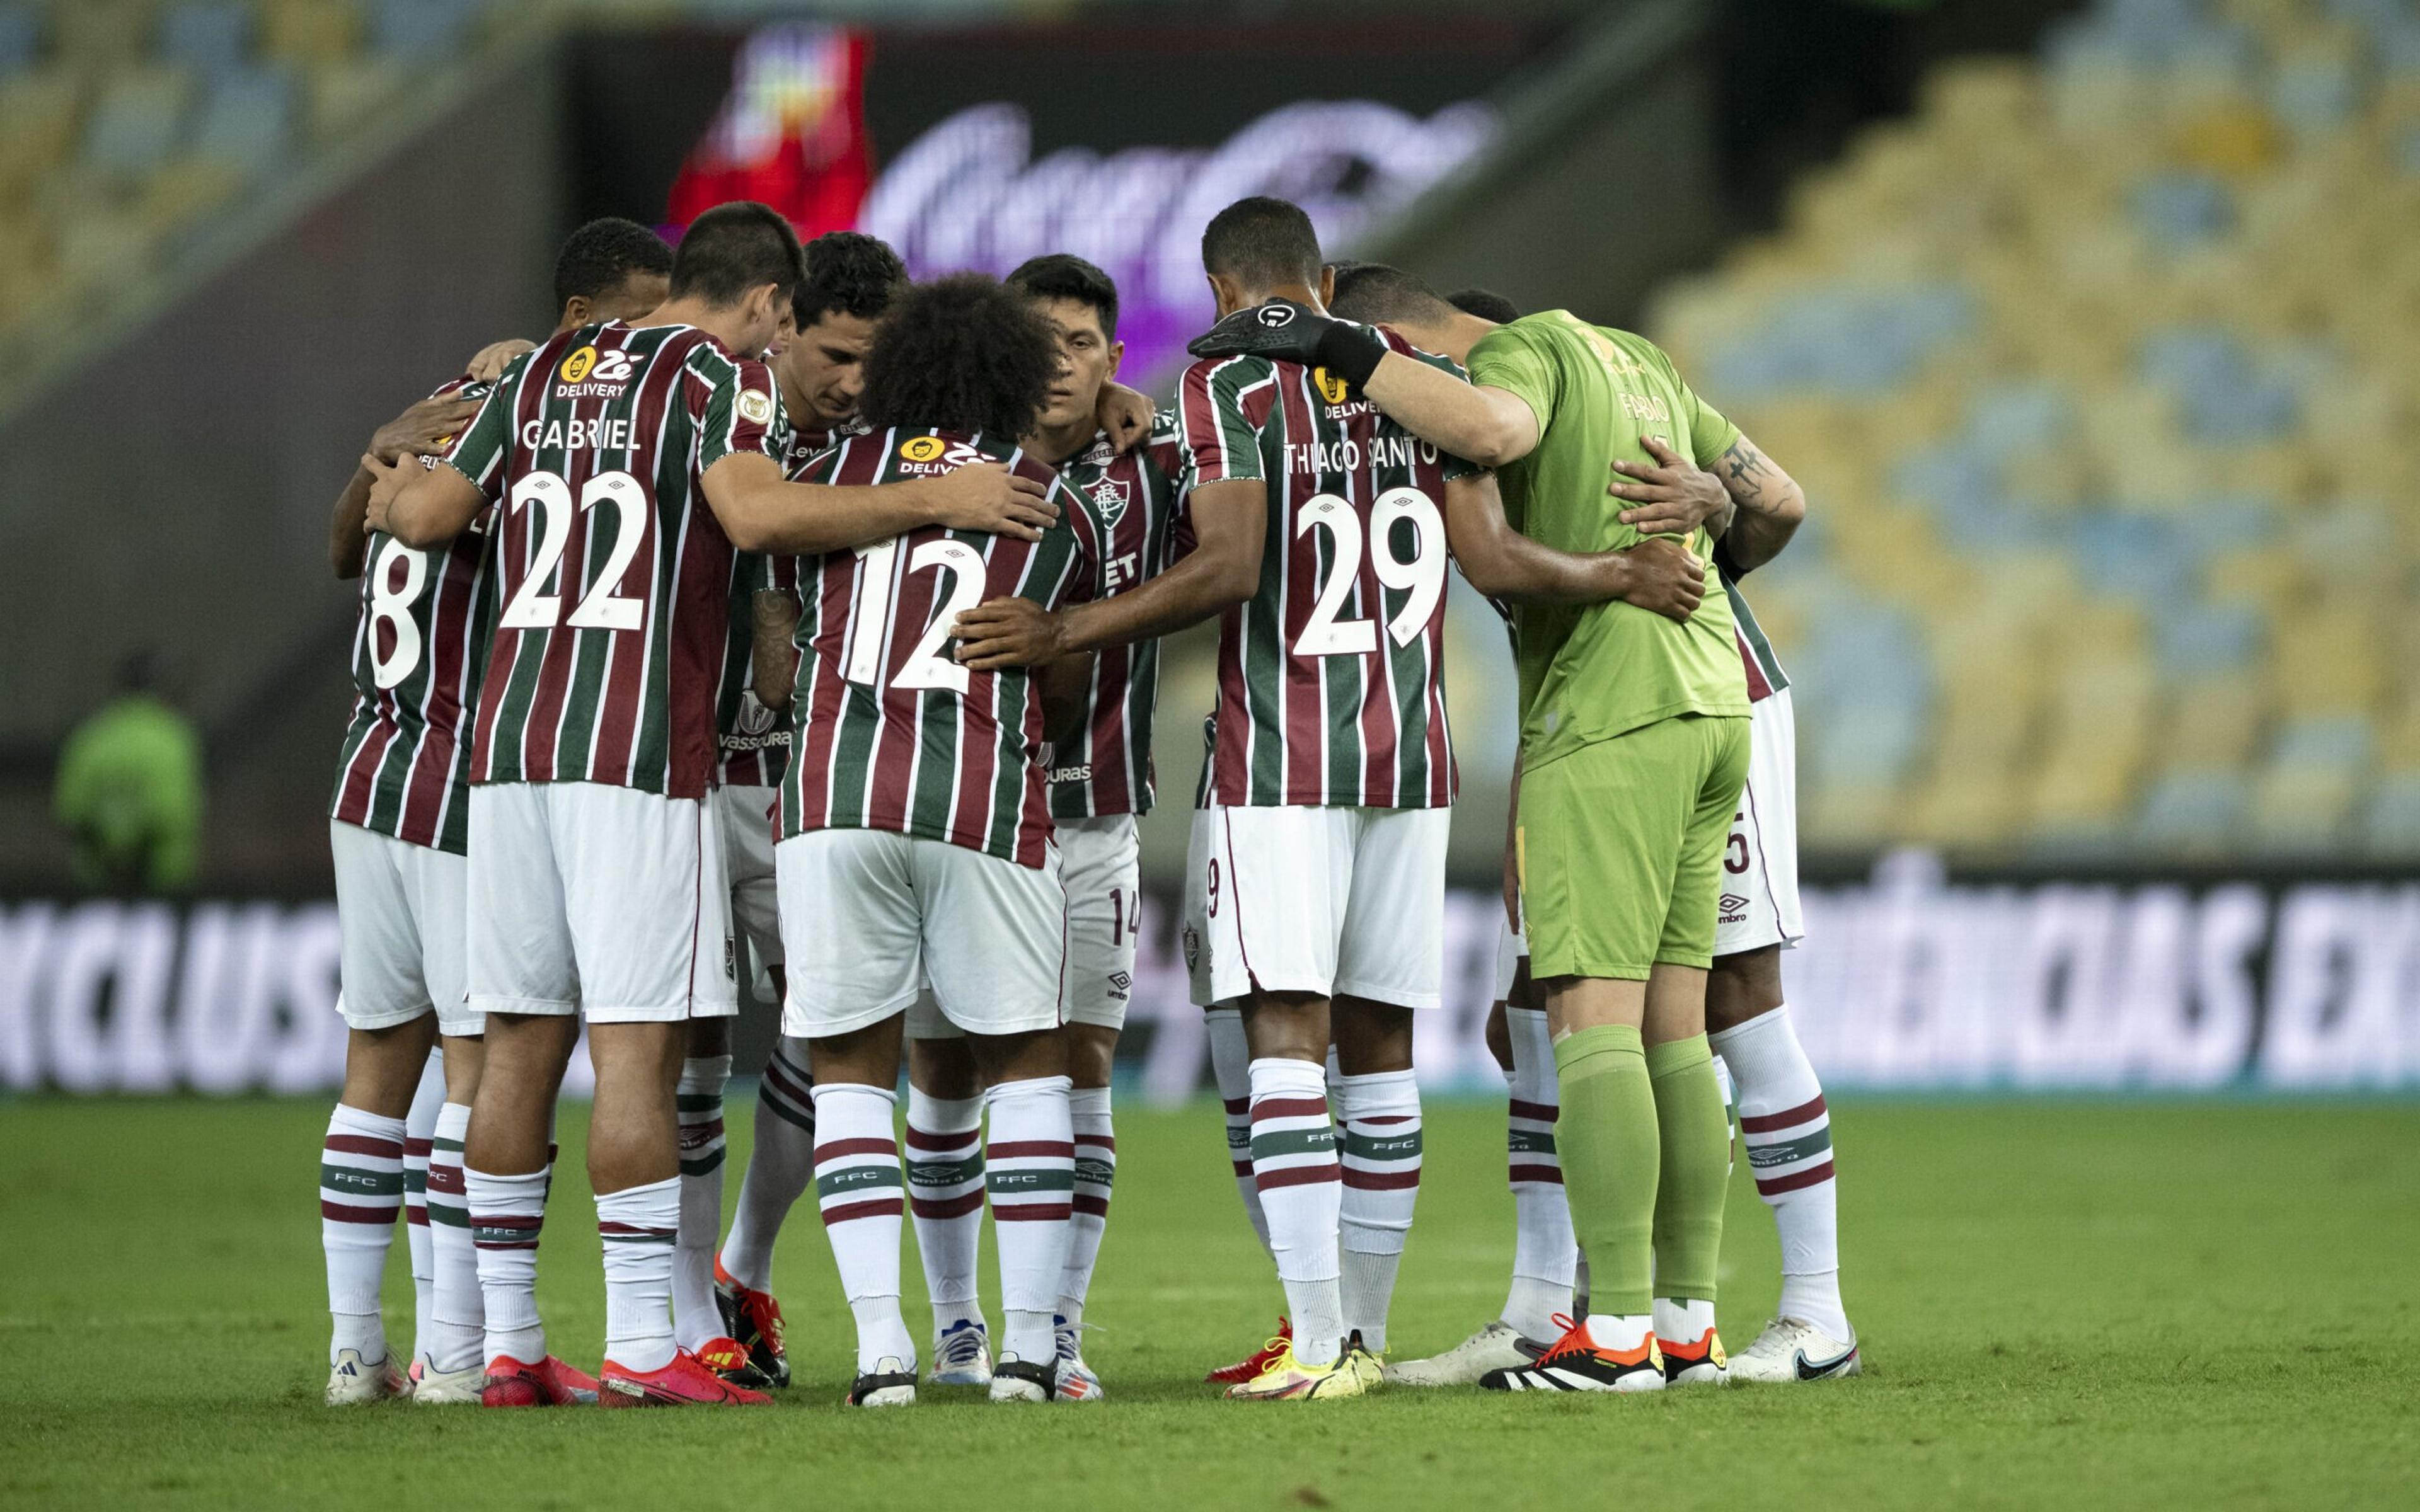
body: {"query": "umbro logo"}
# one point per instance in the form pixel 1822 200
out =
pixel 1734 908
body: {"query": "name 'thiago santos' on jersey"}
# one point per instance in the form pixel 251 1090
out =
pixel 602 435
pixel 1107 769
pixel 1331 685
pixel 891 733
pixel 419 650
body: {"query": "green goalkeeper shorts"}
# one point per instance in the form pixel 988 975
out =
pixel 1620 848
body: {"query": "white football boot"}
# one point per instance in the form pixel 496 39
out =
pixel 353 1380
pixel 962 1354
pixel 1791 1348
pixel 1493 1348
pixel 1024 1380
pixel 1076 1381
pixel 432 1387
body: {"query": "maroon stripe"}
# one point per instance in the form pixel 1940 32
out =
pixel 417 1147
pixel 1290 1107
pixel 606 1226
pixel 1536 1112
pixel 1767 1122
pixel 1392 1117
pixel 1032 1149
pixel 778 1077
pixel 339 1212
pixel 835 1148
pixel 957 1207
pixel 1296 1175
pixel 518 1243
pixel 1553 1174
pixel 447 1179
pixel 1380 1181
pixel 708 1129
pixel 1795 1180
pixel 1092 1206
pixel 364 1145
pixel 1238 1105
pixel 876 1208
pixel 1243 1167
pixel 1014 1212
pixel 415 1215
pixel 925 1139
pixel 1097 1142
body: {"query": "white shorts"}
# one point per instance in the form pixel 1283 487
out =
pixel 401 910
pixel 601 901
pixel 1759 900
pixel 1331 900
pixel 746 814
pixel 875 915
pixel 1512 946
pixel 1099 864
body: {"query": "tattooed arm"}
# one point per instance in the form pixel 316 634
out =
pixel 1765 506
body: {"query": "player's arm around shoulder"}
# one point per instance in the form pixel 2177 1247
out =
pixel 761 511
pixel 1484 423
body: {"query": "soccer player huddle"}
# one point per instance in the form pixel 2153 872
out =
pixel 777 598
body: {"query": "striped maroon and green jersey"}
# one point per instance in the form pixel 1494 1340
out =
pixel 889 732
pixel 1331 678
pixel 418 653
pixel 1107 770
pixel 1765 674
pixel 614 576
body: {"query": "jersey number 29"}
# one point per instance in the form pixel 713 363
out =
pixel 1421 575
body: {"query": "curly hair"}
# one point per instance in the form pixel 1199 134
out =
pixel 964 353
pixel 851 272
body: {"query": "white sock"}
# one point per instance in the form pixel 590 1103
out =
pixel 1620 1334
pixel 1789 1137
pixel 1683 1321
pixel 1030 1172
pixel 1380 1116
pixel 945 1198
pixel 781 1166
pixel 454 1339
pixel 418 1126
pixel 1231 1062
pixel 859 1187
pixel 1294 1166
pixel 1731 1110
pixel 1096 1171
pixel 506 1213
pixel 360 1190
pixel 698 1097
pixel 638 1228
pixel 1544 1253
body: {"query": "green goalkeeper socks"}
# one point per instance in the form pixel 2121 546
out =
pixel 1607 1136
pixel 1694 1168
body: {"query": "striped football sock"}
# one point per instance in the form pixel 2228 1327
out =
pixel 1788 1136
pixel 360 1191
pixel 1693 1145
pixel 780 1165
pixel 1030 1172
pixel 698 1097
pixel 1381 1118
pixel 638 1228
pixel 859 1187
pixel 1096 1171
pixel 460 1319
pixel 945 1186
pixel 1544 1255
pixel 418 1126
pixel 506 1213
pixel 1231 1062
pixel 1294 1163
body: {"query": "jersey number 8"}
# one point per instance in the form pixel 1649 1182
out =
pixel 1421 575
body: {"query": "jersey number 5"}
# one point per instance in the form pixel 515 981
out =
pixel 961 568
pixel 600 608
pixel 1421 575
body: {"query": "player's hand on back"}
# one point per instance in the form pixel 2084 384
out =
pixel 387 478
pixel 1665 578
pixel 1287 330
pixel 1006 632
pixel 423 429
pixel 1674 496
pixel 987 496
pixel 489 362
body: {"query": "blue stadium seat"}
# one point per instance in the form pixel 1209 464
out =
pixel 136 124
pixel 2196 810
pixel 210 37
pixel 248 119
pixel 21 37
pixel 2181 210
pixel 419 31
pixel 2197 639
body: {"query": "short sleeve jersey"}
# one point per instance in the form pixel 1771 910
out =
pixel 614 576
pixel 889 732
pixel 1331 677
pixel 1589 673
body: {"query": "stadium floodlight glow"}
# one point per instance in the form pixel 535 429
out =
pixel 970 194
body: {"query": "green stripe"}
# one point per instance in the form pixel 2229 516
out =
pixel 856 1179
pixel 450 1216
pixel 945 1172
pixel 1280 1143
pixel 361 1183
pixel 1790 1151
pixel 1383 1147
pixel 440 1143
pixel 416 1179
pixel 698 1102
pixel 1522 1142
pixel 652 1241
pixel 1010 1182
pixel 702 1165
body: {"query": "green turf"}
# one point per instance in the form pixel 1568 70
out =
pixel 2064 1304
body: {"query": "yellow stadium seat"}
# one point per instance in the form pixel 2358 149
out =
pixel 320 33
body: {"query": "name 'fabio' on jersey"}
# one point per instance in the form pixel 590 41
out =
pixel 889 732
pixel 418 650
pixel 1107 769
pixel 1331 678
pixel 614 576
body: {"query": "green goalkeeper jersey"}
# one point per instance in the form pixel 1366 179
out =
pixel 1589 673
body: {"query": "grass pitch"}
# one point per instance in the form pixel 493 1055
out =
pixel 2064 1306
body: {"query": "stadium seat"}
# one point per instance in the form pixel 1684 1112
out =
pixel 313 33
pixel 247 120
pixel 40 112
pixel 138 122
pixel 21 37
pixel 208 37
pixel 419 31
